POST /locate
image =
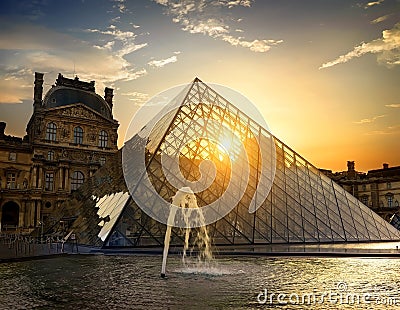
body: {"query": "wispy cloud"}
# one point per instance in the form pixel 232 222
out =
pixel 116 19
pixel 233 3
pixel 15 73
pixel 260 46
pixel 126 39
pixel 394 105
pixel 387 48
pixel 162 62
pixel 208 18
pixel 46 50
pixel 390 130
pixel 137 98
pixel 381 19
pixel 369 120
pixel 120 5
pixel 372 3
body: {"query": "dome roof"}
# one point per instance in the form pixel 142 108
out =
pixel 70 91
pixel 61 96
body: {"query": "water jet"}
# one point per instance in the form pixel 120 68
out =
pixel 186 200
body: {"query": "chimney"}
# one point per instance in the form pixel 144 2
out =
pixel 108 96
pixel 385 166
pixel 351 172
pixel 2 128
pixel 38 90
pixel 350 165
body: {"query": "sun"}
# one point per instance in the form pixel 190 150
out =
pixel 228 145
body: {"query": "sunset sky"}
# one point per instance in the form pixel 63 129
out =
pixel 324 74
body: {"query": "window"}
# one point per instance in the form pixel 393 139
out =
pixel 390 201
pixel 364 187
pixel 102 161
pixel 11 180
pixel 49 181
pixel 50 155
pixel 12 156
pixel 389 185
pixel 48 205
pixel 103 138
pixel 77 180
pixel 364 200
pixel 51 132
pixel 78 135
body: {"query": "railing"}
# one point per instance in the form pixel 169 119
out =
pixel 20 245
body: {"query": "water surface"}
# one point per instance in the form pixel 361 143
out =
pixel 133 282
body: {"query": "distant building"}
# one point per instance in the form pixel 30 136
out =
pixel 378 189
pixel 70 134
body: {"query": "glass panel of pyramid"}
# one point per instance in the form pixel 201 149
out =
pixel 303 205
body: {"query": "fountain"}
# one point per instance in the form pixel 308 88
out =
pixel 186 200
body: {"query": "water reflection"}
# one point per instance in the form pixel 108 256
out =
pixel 133 282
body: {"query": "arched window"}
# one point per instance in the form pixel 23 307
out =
pixel 103 139
pixel 102 161
pixel 51 132
pixel 76 180
pixel 78 135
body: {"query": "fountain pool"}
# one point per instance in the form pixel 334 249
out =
pixel 133 282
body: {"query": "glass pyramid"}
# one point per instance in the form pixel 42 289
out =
pixel 271 193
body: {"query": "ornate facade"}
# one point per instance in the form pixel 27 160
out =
pixel 378 189
pixel 70 134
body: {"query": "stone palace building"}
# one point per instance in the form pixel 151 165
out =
pixel 379 189
pixel 70 134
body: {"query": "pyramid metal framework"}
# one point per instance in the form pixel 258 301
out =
pixel 303 205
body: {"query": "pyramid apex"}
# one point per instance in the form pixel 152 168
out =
pixel 196 79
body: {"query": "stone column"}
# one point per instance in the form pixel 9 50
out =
pixel 67 179
pixel 32 213
pixel 22 212
pixel 60 178
pixel 26 214
pixel 40 177
pixel 38 211
pixel 33 180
